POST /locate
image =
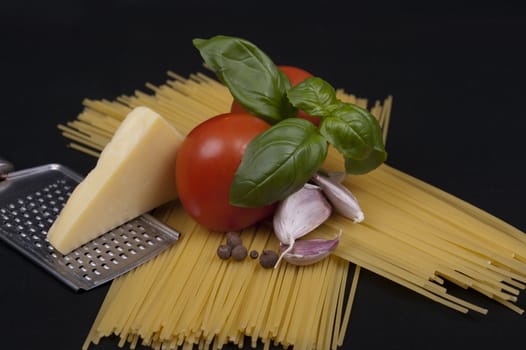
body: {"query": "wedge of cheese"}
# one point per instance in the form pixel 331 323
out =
pixel 134 174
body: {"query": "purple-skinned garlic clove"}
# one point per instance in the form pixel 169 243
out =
pixel 344 202
pixel 299 214
pixel 309 251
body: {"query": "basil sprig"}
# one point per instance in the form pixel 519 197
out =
pixel 250 75
pixel 352 130
pixel 280 160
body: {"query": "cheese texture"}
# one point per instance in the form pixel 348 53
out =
pixel 134 174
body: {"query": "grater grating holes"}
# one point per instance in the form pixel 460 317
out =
pixel 30 218
pixel 31 201
pixel 110 250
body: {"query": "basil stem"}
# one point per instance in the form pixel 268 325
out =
pixel 277 163
pixel 250 75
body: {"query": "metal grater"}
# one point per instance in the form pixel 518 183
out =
pixel 30 201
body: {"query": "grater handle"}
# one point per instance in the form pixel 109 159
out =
pixel 5 168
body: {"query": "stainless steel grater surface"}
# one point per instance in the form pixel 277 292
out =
pixel 30 201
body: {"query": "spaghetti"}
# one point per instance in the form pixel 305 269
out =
pixel 414 234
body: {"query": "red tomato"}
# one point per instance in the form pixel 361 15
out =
pixel 205 168
pixel 296 76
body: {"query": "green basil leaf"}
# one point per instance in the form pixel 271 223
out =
pixel 363 166
pixel 250 75
pixel 356 134
pixel 349 131
pixel 277 163
pixel 376 157
pixel 314 96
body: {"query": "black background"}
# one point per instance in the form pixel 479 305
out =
pixel 456 72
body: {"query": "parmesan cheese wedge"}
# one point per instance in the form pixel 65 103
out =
pixel 134 174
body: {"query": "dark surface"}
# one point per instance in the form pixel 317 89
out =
pixel 457 74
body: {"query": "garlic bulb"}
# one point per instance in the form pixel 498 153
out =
pixel 299 214
pixel 344 202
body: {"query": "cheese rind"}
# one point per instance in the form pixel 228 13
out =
pixel 135 173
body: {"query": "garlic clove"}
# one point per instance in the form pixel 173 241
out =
pixel 309 251
pixel 344 202
pixel 299 214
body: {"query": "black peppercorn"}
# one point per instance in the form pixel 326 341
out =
pixel 224 251
pixel 233 239
pixel 268 259
pixel 239 252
